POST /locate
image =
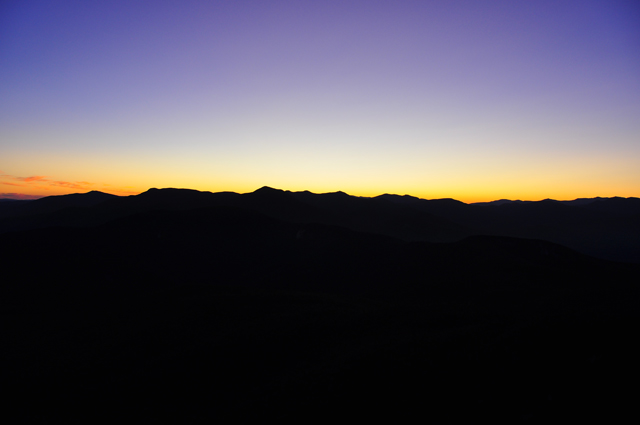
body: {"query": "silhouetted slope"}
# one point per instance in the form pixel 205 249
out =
pixel 361 214
pixel 282 205
pixel 592 231
pixel 458 212
pixel 602 227
pixel 113 207
pixel 226 314
pixel 54 203
pixel 165 199
pixel 51 211
pixel 376 215
pixel 619 207
pixel 499 202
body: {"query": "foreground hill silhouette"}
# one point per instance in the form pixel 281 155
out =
pixel 185 306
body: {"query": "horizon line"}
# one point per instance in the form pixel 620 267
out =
pixel 28 197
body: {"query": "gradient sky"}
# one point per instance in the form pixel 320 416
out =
pixel 473 100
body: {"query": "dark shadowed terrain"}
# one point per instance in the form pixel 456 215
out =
pixel 194 307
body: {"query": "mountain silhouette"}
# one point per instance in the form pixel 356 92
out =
pixel 177 305
pixel 53 203
pixel 603 227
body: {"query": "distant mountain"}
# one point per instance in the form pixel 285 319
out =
pixel 499 202
pixel 378 215
pixel 619 207
pixel 603 227
pixel 50 204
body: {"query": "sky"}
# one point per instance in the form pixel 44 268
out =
pixel 472 100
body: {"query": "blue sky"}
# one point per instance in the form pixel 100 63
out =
pixel 474 100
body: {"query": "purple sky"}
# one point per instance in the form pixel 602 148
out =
pixel 475 100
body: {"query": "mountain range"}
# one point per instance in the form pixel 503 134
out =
pixel 183 306
pixel 607 228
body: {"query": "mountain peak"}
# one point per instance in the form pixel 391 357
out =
pixel 338 193
pixel 268 189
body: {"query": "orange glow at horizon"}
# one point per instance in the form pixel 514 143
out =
pixel 529 175
pixel 401 97
pixel 42 186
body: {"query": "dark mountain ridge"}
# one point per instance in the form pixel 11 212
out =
pixel 178 305
pixel 53 203
pixel 604 227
